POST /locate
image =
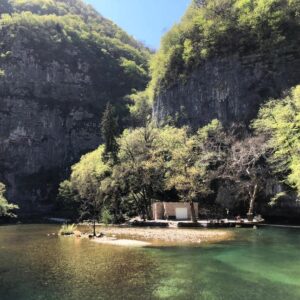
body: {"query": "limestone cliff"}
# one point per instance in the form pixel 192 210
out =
pixel 224 59
pixel 230 89
pixel 62 63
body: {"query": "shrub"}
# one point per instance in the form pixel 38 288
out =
pixel 106 216
pixel 6 209
pixel 67 229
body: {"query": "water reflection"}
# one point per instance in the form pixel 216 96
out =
pixel 41 267
pixel 259 264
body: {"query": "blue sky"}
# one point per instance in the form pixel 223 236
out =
pixel 146 20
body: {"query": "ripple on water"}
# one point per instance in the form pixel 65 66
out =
pixel 261 264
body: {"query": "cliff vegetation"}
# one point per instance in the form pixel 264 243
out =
pixel 215 28
pixel 57 29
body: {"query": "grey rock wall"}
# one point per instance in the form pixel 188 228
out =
pixel 50 110
pixel 230 89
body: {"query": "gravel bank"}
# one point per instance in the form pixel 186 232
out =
pixel 170 235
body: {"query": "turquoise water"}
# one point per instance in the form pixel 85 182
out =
pixel 258 264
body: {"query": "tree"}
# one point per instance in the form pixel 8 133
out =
pixel 85 182
pixel 5 207
pixel 109 126
pixel 156 162
pixel 113 191
pixel 140 167
pixel 189 166
pixel 279 120
pixel 140 108
pixel 91 205
pixel 245 169
pixel 68 199
pixel 106 217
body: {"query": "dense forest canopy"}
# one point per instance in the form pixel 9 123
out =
pixel 55 29
pixel 224 27
pixel 70 7
pixel 165 163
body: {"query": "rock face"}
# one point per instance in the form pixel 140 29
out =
pixel 51 100
pixel 40 138
pixel 230 89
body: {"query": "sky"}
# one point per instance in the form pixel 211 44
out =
pixel 145 20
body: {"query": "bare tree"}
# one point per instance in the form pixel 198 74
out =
pixel 246 168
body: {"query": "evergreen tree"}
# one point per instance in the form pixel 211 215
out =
pixel 109 126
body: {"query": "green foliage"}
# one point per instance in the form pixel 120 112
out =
pixel 134 71
pixel 67 229
pixel 189 166
pixel 88 173
pixel 280 121
pixel 140 168
pixel 151 162
pixel 166 163
pixel 62 8
pixel 66 191
pixel 106 217
pixel 6 209
pixel 71 28
pixel 221 28
pixel 68 200
pixel 109 126
pixel 91 187
pixel 53 29
pixel 42 6
pixel 210 130
pixel 81 193
pixel 140 108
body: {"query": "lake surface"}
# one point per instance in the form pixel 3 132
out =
pixel 260 264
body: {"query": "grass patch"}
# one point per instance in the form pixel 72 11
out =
pixel 67 229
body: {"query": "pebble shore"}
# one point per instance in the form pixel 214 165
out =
pixel 169 235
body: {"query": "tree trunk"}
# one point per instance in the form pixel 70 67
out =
pixel 144 208
pixel 149 213
pixel 94 227
pixel 193 213
pixel 251 206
